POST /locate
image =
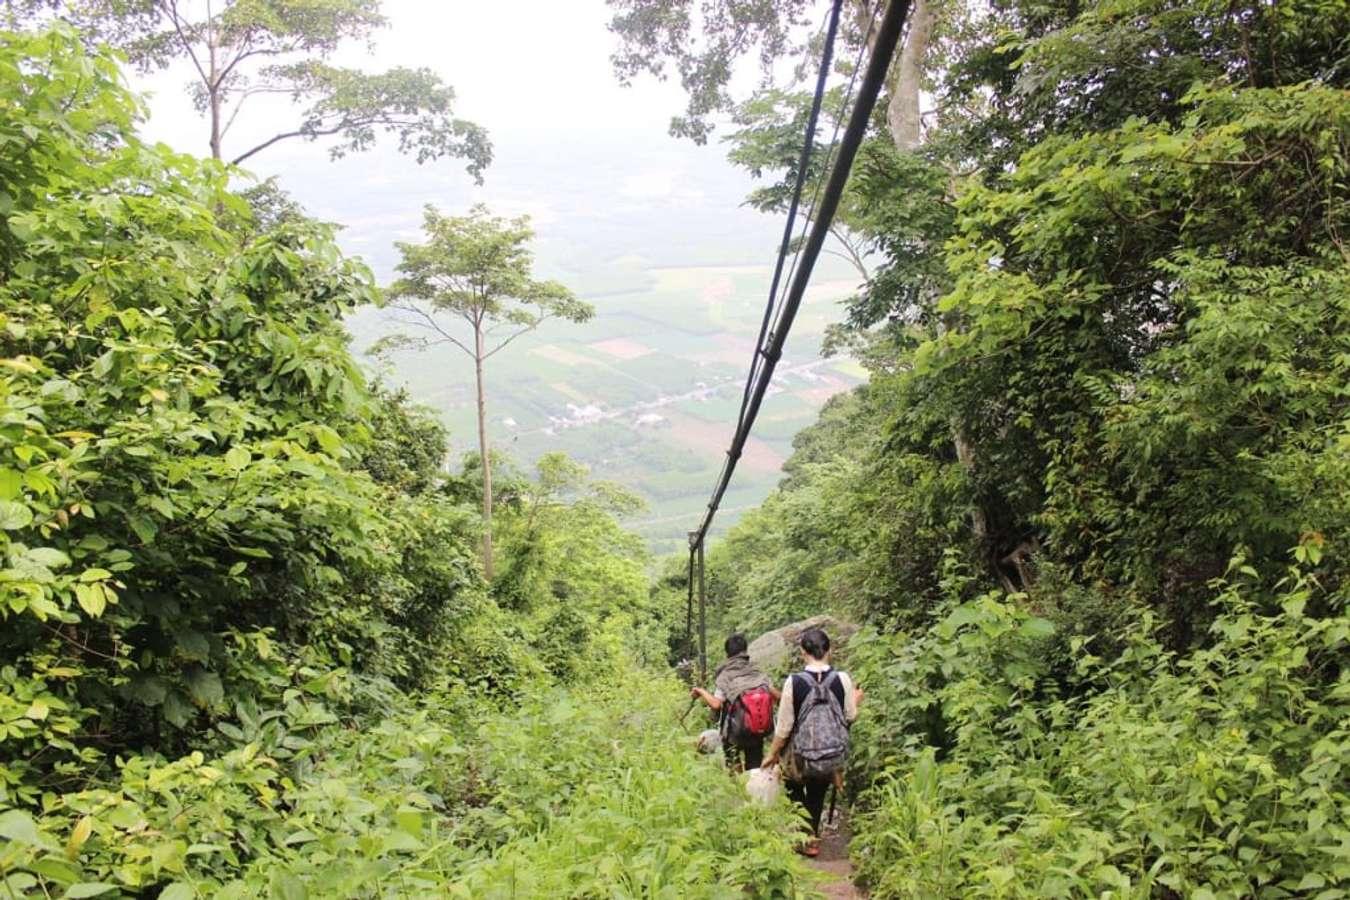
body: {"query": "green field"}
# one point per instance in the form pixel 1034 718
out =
pixel 678 348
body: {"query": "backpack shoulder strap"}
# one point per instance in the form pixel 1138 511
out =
pixel 800 689
pixel 835 683
pixel 803 683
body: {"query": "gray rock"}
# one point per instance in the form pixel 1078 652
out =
pixel 776 651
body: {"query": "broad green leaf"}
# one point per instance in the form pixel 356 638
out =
pixel 89 889
pixel 206 687
pixel 194 645
pixel 16 825
pixel 162 505
pixel 962 615
pixel 1037 628
pixel 237 458
pixel 144 527
pixel 56 870
pixel 147 689
pixel 19 364
pixel 285 886
pixel 18 884
pixel 91 598
pixel 49 557
pixel 14 516
pixel 11 484
pixel 178 710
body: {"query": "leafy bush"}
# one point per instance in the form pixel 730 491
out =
pixel 181 459
pixel 571 794
pixel 1222 773
pixel 1108 346
pixel 599 794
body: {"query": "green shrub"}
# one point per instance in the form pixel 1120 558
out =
pixel 599 795
pixel 1222 773
pixel 570 794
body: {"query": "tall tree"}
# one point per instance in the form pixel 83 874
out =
pixel 243 49
pixel 477 269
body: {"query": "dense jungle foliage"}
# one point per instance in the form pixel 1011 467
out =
pixel 1092 504
pixel 1091 508
pixel 247 649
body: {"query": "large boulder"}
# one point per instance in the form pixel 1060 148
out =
pixel 777 651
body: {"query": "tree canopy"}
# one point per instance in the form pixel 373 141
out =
pixel 477 268
pixel 1108 624
pixel 240 50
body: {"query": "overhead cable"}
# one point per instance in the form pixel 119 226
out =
pixel 888 36
pixel 803 165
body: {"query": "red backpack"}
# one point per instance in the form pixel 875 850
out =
pixel 758 714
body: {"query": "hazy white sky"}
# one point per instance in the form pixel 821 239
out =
pixel 588 159
pixel 527 67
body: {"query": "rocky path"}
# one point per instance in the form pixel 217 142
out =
pixel 834 863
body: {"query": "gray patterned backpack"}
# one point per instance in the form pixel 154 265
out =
pixel 820 734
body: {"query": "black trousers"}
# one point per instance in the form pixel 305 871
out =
pixel 811 795
pixel 743 759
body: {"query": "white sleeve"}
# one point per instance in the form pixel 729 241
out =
pixel 786 714
pixel 850 699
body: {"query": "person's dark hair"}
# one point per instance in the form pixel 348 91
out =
pixel 815 642
pixel 736 644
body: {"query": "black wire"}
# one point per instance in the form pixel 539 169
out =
pixel 834 147
pixel 775 308
pixel 803 164
pixel 887 38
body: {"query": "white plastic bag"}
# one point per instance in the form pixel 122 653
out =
pixel 709 741
pixel 763 785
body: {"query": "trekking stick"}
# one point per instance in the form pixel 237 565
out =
pixel 688 710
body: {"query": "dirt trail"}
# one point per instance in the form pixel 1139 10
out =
pixel 834 862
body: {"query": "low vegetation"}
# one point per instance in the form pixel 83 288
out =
pixel 560 795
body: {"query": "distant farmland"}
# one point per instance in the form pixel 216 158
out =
pixel 646 394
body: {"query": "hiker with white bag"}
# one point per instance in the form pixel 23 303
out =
pixel 744 699
pixel 811 735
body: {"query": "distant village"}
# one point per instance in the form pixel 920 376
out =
pixel 643 415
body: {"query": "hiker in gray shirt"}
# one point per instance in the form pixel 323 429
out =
pixel 744 698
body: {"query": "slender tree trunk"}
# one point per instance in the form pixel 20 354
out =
pixel 904 118
pixel 213 98
pixel 903 115
pixel 484 453
pixel 215 126
pixel 867 15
